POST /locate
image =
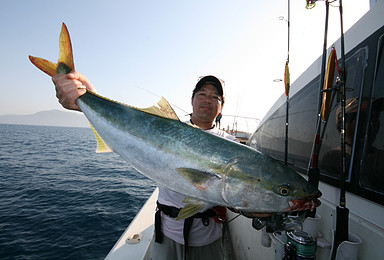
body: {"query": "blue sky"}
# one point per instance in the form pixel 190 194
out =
pixel 135 51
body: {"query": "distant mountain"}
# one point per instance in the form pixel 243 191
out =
pixel 48 118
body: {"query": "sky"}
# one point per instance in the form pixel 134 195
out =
pixel 136 51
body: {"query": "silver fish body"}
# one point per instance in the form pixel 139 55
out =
pixel 195 163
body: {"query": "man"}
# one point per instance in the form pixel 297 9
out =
pixel 194 238
pixel 203 240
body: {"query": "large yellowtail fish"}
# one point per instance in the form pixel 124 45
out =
pixel 186 159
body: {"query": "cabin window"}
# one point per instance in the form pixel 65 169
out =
pixel 364 125
pixel 372 162
pixel 303 108
pixel 330 157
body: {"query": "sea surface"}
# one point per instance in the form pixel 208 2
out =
pixel 61 200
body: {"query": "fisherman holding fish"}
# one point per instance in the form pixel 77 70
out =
pixel 203 163
pixel 197 237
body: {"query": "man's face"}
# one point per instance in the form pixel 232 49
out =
pixel 207 103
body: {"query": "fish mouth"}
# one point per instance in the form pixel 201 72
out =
pixel 304 204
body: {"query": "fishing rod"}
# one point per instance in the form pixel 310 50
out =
pixel 342 212
pixel 313 171
pixel 287 86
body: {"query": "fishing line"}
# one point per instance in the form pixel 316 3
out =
pixel 238 215
pixel 150 92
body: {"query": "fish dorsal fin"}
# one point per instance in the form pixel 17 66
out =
pixel 162 109
pixel 193 125
pixel 102 147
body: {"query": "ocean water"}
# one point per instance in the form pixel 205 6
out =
pixel 61 200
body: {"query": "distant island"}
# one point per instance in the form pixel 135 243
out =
pixel 47 118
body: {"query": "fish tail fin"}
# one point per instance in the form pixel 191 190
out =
pixel 46 66
pixel 102 146
pixel 66 54
pixel 65 63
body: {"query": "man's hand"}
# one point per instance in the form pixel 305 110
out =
pixel 69 87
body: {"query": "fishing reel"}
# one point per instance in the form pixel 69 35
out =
pixel 280 221
pixel 297 243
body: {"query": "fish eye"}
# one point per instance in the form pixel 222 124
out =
pixel 284 190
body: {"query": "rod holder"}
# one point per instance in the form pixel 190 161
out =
pixel 347 250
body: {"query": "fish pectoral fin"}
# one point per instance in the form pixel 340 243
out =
pixel 162 109
pixel 196 177
pixel 102 146
pixel 190 209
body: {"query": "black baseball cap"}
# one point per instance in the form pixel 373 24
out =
pixel 217 83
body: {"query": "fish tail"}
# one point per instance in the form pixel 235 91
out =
pixel 65 63
pixel 46 66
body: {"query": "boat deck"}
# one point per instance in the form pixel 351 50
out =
pixel 136 241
